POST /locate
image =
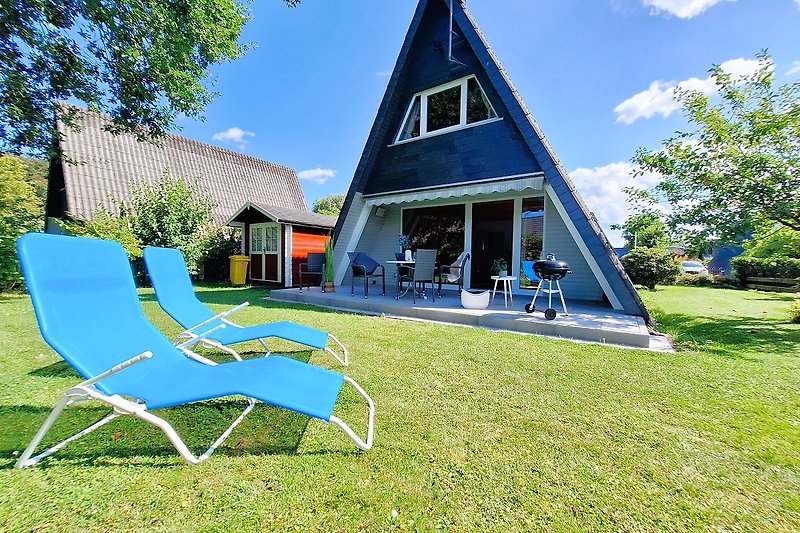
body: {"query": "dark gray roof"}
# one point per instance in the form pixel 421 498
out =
pixel 99 169
pixel 289 215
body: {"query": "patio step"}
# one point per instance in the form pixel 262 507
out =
pixel 583 323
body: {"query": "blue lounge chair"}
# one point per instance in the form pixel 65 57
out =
pixel 89 313
pixel 175 295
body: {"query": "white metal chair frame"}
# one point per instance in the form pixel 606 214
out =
pixel 344 359
pixel 86 390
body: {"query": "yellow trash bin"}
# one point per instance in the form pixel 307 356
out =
pixel 239 269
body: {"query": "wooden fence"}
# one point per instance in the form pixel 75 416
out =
pixel 774 284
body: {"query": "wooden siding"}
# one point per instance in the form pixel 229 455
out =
pixel 581 284
pixel 475 153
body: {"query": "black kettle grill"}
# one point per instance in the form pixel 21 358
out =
pixel 549 270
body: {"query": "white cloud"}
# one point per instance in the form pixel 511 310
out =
pixel 659 98
pixel 795 68
pixel 317 175
pixel 684 9
pixel 235 135
pixel 602 190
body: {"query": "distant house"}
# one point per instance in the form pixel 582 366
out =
pixel 263 198
pixel 457 162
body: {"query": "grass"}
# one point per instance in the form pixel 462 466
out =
pixel 476 431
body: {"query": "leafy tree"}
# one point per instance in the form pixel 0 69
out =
pixel 645 230
pixel 21 211
pixel 649 266
pixel 329 205
pixel 738 165
pixel 173 213
pixel 775 241
pixel 143 63
pixel 105 226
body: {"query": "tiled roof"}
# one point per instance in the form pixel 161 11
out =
pixel 99 169
pixel 291 216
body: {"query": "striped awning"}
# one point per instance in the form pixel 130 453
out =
pixel 469 189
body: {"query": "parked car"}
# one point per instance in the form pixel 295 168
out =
pixel 693 267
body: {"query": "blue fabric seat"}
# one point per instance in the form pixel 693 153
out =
pixel 89 312
pixel 175 295
pixel 362 265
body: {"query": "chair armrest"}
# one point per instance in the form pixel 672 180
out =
pixel 116 369
pixel 301 265
pixel 214 318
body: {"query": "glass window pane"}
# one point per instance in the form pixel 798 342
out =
pixel 271 243
pixel 257 240
pixel 411 127
pixel 440 228
pixel 478 106
pixel 532 239
pixel 444 109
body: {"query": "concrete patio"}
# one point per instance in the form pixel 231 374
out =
pixel 584 323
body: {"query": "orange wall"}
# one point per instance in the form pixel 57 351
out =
pixel 304 242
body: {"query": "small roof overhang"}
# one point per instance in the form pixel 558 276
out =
pixel 475 188
pixel 285 215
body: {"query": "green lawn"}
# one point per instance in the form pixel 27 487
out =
pixel 475 430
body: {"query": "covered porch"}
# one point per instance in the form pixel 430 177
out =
pixel 586 321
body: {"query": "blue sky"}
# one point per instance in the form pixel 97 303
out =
pixel 596 74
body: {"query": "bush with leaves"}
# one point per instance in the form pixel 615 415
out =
pixel 174 213
pixel 794 312
pixel 224 243
pixel 21 211
pixel 649 266
pixel 758 267
pixel 105 226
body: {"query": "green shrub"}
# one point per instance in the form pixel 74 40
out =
pixel 703 280
pixel 105 226
pixel 794 312
pixel 224 243
pixel 649 266
pixel 757 267
pixel 174 213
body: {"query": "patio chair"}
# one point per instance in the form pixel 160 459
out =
pixel 89 312
pixel 364 266
pixel 422 272
pixel 175 295
pixel 454 272
pixel 527 269
pixel 314 266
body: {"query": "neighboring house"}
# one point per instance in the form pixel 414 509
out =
pixel 264 199
pixel 721 256
pixel 456 161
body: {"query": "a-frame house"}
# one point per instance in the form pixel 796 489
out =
pixel 456 161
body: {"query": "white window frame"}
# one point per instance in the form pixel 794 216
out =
pixel 423 110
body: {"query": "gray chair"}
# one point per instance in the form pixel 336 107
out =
pixel 364 266
pixel 454 273
pixel 422 272
pixel 314 266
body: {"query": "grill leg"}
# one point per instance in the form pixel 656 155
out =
pixel 561 294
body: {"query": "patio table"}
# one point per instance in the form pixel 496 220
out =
pixel 506 281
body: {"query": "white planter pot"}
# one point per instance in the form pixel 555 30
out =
pixel 474 300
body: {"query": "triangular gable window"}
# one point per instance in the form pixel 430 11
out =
pixel 446 108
